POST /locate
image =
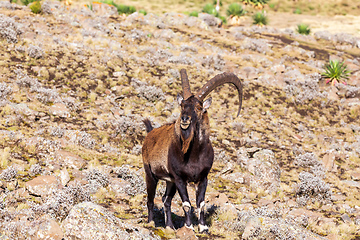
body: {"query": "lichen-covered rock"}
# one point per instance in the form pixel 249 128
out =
pixel 261 223
pixel 87 220
pixel 47 229
pixel 69 159
pixel 60 110
pixel 265 169
pixel 119 186
pixel 209 19
pixel 42 185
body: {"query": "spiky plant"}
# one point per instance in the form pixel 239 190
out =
pixel 303 29
pixel 260 19
pixel 235 9
pixel 336 72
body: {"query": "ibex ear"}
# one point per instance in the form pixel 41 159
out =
pixel 179 98
pixel 207 103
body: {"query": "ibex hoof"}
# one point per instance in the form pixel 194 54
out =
pixel 190 227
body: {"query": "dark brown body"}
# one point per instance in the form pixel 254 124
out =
pixel 179 156
pixel 181 152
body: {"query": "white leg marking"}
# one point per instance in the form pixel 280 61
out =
pixel 190 227
pixel 201 208
pixel 203 228
pixel 186 206
pixel 165 208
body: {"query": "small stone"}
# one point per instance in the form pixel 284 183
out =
pixel 60 110
pixel 12 185
pixel 64 177
pixel 185 233
pixel 346 218
pixel 355 175
pixel 332 93
pixel 69 159
pixel 251 228
pixel 329 161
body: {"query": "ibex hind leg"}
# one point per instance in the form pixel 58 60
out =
pixel 168 196
pixel 151 183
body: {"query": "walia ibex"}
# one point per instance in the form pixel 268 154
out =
pixel 181 152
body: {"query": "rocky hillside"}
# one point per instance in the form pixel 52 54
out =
pixel 76 83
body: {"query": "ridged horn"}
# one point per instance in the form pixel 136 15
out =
pixel 219 80
pixel 185 84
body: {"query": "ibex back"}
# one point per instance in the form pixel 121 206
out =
pixel 181 152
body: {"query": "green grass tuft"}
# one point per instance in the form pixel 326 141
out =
pixel 142 11
pixel 235 9
pixel 336 72
pixel 122 9
pixel 210 9
pixel 194 14
pixel 297 11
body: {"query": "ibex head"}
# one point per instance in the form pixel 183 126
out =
pixel 193 107
pixel 192 110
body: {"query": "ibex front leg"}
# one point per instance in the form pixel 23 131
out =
pixel 182 188
pixel 200 204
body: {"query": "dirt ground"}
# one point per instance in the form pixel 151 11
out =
pixel 334 24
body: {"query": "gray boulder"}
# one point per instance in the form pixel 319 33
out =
pixel 88 221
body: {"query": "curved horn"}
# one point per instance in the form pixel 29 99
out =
pixel 185 84
pixel 219 80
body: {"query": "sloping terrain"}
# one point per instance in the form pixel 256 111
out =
pixel 75 85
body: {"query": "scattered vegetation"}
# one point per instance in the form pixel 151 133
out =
pixel 235 9
pixel 260 19
pixel 336 72
pixel 121 8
